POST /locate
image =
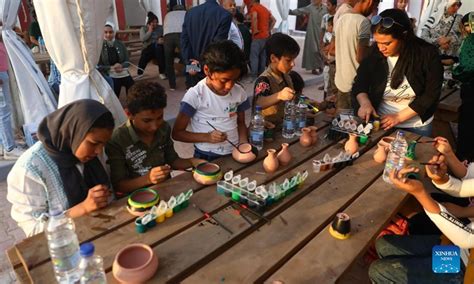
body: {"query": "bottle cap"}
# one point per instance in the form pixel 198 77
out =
pixel 258 108
pixel 87 249
pixel 55 212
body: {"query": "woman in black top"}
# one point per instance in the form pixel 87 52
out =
pixel 401 79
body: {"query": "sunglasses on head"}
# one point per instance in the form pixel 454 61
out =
pixel 386 22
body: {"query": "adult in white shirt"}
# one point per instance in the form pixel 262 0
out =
pixel 234 32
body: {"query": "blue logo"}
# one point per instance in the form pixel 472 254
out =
pixel 446 259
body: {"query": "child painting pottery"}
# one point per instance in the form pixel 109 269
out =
pixel 244 153
pixel 351 145
pixel 284 156
pixel 135 263
pixel 270 164
pixel 305 139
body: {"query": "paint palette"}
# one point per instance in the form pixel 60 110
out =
pixel 247 192
pixel 348 124
pixel 338 161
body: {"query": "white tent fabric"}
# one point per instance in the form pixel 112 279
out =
pixel 153 6
pixel 73 34
pixel 431 14
pixel 36 99
pixel 283 7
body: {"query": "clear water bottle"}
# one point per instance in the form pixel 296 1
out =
pixel 300 116
pixel 257 128
pixel 42 47
pixel 396 156
pixel 63 247
pixel 289 120
pixel 91 266
pixel 3 103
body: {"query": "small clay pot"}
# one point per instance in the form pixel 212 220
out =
pixel 305 139
pixel 141 200
pixel 284 156
pixel 245 153
pixel 380 155
pixel 314 134
pixel 341 226
pixel 135 263
pixel 270 164
pixel 207 173
pixel 351 145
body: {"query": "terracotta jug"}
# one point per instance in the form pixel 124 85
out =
pixel 351 145
pixel 380 155
pixel 135 263
pixel 244 154
pixel 284 156
pixel 314 134
pixel 270 164
pixel 305 139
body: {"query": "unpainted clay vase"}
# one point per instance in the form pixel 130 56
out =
pixel 135 263
pixel 284 156
pixel 270 164
pixel 305 139
pixel 314 134
pixel 380 155
pixel 351 145
pixel 245 155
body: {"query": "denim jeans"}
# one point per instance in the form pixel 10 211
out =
pixel 407 259
pixel 208 156
pixel 258 58
pixel 6 130
pixel 426 130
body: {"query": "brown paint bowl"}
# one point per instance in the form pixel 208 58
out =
pixel 246 154
pixel 135 263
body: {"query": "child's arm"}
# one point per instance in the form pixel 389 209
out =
pixel 458 169
pixel 266 99
pixel 242 128
pixel 154 176
pixel 181 134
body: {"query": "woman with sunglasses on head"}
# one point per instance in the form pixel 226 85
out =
pixel 401 79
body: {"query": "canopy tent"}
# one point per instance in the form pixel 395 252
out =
pixel 283 8
pixel 153 6
pixel 36 98
pixel 73 34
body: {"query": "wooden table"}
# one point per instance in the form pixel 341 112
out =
pixel 292 245
pixel 41 58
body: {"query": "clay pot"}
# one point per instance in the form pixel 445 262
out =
pixel 305 139
pixel 284 156
pixel 207 173
pixel 380 155
pixel 270 164
pixel 314 134
pixel 135 263
pixel 351 145
pixel 141 200
pixel 246 154
pixel 341 226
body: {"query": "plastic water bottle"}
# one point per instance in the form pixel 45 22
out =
pixel 289 120
pixel 42 47
pixel 91 266
pixel 3 103
pixel 300 116
pixel 396 156
pixel 63 247
pixel 257 128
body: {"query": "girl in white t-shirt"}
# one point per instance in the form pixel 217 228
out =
pixel 215 102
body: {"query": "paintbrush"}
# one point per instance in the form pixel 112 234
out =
pixel 429 164
pixel 235 146
pixel 208 216
pixel 260 216
pixel 427 141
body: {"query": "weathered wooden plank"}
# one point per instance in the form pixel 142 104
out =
pixel 247 260
pixel 21 272
pixel 452 102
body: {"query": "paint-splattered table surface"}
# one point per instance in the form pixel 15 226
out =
pixel 291 243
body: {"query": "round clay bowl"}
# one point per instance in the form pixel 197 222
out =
pixel 135 263
pixel 143 198
pixel 207 173
pixel 385 142
pixel 245 155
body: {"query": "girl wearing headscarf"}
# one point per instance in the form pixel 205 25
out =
pixel 114 60
pixel 62 170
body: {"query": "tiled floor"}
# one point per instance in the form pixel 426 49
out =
pixel 9 231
